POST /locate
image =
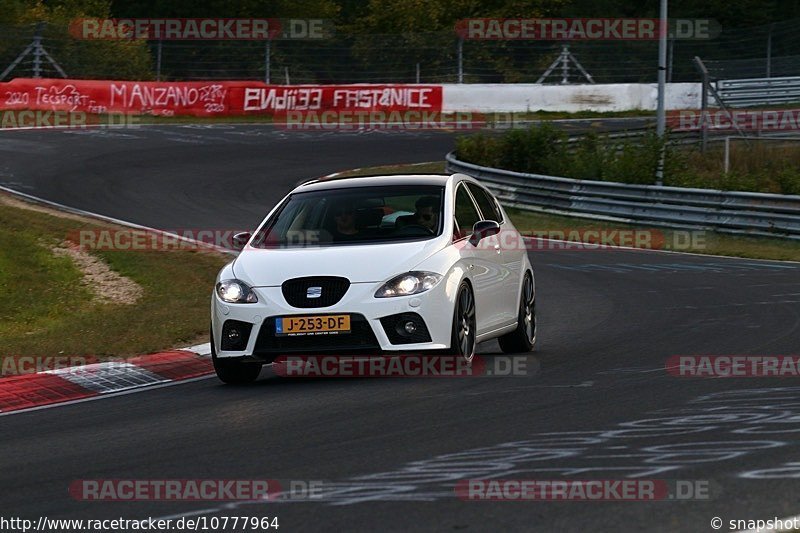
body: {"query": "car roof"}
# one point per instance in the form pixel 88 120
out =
pixel 373 181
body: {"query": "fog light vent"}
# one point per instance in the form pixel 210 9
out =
pixel 405 328
pixel 235 335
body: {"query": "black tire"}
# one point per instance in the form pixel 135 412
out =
pixel 462 336
pixel 523 338
pixel 232 371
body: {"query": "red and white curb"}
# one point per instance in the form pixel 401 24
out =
pixel 36 390
pixel 39 390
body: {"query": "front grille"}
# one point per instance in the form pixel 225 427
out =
pixel 360 339
pixel 331 289
pixel 393 325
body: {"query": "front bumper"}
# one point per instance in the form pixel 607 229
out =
pixel 434 307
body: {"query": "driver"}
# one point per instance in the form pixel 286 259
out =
pixel 427 212
pixel 344 216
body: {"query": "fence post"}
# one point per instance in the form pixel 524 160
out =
pixel 727 154
pixel 662 88
pixel 671 53
pixel 460 60
pixel 37 51
pixel 417 72
pixel 158 59
pixel 704 87
pixel 267 60
pixel 769 51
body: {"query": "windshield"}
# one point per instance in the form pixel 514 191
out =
pixel 363 215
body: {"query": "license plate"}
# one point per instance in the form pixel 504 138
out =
pixel 312 325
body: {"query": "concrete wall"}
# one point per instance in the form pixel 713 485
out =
pixel 569 98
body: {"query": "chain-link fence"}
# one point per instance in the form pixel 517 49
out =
pixel 762 51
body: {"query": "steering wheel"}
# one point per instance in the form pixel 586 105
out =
pixel 416 229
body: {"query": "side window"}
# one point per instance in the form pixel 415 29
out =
pixel 466 213
pixel 486 203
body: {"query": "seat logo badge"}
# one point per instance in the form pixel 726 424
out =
pixel 313 292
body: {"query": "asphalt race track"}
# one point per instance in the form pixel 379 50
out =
pixel 597 401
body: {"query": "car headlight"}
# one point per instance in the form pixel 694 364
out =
pixel 408 283
pixel 235 292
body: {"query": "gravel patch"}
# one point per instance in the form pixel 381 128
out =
pixel 108 286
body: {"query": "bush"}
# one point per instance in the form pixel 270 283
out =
pixel 633 160
pixel 479 149
pixel 542 149
pixel 538 149
pixel 588 161
pixel 757 167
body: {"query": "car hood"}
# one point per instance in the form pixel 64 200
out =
pixel 359 263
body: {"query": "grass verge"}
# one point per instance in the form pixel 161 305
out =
pixel 46 310
pixel 707 242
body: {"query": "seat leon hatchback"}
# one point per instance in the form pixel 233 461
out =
pixel 374 265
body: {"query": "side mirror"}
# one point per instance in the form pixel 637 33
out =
pixel 483 229
pixel 240 239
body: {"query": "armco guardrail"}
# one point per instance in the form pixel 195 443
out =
pixel 759 91
pixel 748 213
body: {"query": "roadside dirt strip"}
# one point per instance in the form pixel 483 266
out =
pixel 39 389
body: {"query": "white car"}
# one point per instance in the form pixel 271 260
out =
pixel 374 265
